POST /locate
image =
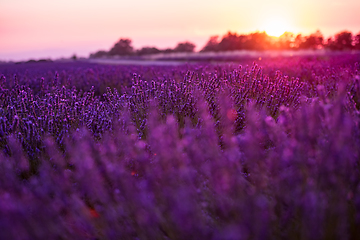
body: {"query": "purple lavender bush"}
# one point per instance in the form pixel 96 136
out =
pixel 189 152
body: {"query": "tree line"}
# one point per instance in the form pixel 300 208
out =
pixel 258 41
pixel 344 40
pixel 124 48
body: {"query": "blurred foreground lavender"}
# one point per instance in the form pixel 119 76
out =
pixel 190 152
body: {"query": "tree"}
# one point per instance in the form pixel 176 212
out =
pixel 330 44
pixel 285 41
pixel 341 41
pixel 344 39
pixel 147 51
pixel 257 41
pixel 168 50
pixel 229 42
pixel 299 39
pixel 314 41
pixel 357 41
pixel 185 47
pixel 99 54
pixel 122 48
pixel 212 45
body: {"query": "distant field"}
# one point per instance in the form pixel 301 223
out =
pixel 239 55
pixel 143 62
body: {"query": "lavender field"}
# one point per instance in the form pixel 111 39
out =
pixel 252 150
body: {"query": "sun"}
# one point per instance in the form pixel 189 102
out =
pixel 275 26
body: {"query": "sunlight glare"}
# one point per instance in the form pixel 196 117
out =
pixel 275 27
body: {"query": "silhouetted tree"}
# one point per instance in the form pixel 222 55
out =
pixel 147 51
pixel 242 41
pixel 258 41
pixel 229 42
pixel 357 41
pixel 122 47
pixel 168 50
pixel 299 39
pixel 185 47
pixel 314 41
pixel 341 41
pixel 99 54
pixel 344 40
pixel 212 45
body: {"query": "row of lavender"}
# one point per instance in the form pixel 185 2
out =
pixel 197 151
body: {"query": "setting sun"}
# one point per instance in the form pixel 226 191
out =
pixel 276 27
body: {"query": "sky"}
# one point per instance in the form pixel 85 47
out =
pixel 35 29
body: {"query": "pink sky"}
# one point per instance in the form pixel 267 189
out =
pixel 52 29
